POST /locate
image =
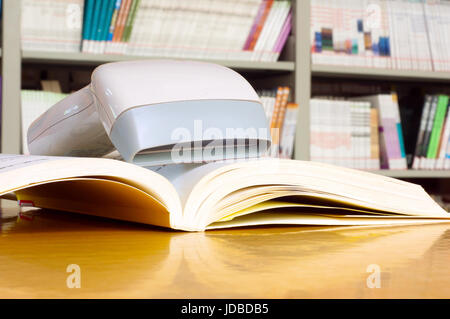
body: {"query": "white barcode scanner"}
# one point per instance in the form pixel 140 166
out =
pixel 156 112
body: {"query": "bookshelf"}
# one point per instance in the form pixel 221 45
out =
pixel 96 59
pixel 294 70
pixel 378 74
pixel 419 174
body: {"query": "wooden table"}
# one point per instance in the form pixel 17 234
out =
pixel 118 259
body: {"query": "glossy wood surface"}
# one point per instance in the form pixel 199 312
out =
pixel 124 260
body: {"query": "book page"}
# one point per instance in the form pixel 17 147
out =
pixel 99 197
pixel 281 218
pixel 197 195
pixel 204 190
pixel 185 176
pixel 12 162
pixel 19 172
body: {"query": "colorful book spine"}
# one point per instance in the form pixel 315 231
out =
pixel 418 153
pixel 257 20
pixel 114 40
pixel 129 24
pixel 391 154
pixel 274 132
pixel 106 26
pixel 389 127
pixel 260 25
pixel 100 26
pixel 94 25
pixel 443 142
pixel 424 162
pixel 398 126
pixel 282 111
pixel 374 140
pixel 281 41
pixel 437 128
pixel 247 30
pixel 123 15
pixel 87 21
pixel 113 20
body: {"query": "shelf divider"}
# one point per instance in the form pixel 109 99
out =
pixel 79 58
pixel 375 73
pixel 11 78
pixel 413 173
pixel 302 80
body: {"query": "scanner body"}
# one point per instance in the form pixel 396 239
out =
pixel 156 112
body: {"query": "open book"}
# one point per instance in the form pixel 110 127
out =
pixel 196 197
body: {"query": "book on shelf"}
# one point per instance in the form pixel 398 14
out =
pixel 433 137
pixel 252 30
pixel 342 133
pixel 392 149
pixel 282 120
pixel 415 136
pixel 288 131
pixel 390 34
pixel 196 197
pixel 34 103
pixel 51 25
pixel 363 132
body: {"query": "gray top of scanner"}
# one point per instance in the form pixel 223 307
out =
pixel 161 111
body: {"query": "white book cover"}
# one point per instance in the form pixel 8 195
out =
pixel 437 31
pixel 392 36
pixel 228 29
pixel 439 10
pixel 50 25
pixel 200 30
pixel 360 9
pixel 432 33
pixel 174 29
pixel 252 9
pixel 413 34
pixel 345 149
pixel 422 35
pixel 152 24
pixel 289 131
pixel 192 37
pixel 162 46
pixel 136 33
pixel 275 32
pixel 314 147
pixel 151 17
pixel 406 43
pixel 33 104
pixel 445 24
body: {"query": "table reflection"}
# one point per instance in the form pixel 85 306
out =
pixel 120 259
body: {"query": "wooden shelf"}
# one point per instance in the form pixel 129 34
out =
pixel 380 74
pixel 79 58
pixel 414 173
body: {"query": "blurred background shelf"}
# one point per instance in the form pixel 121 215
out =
pixel 79 58
pixel 414 173
pixel 377 74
